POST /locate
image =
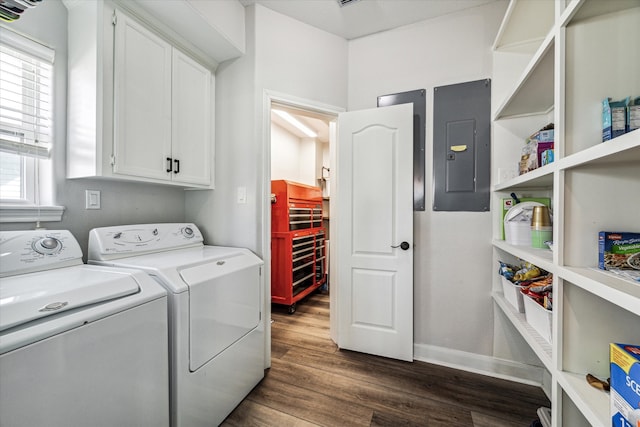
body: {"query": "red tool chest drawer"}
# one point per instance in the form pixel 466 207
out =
pixel 295 206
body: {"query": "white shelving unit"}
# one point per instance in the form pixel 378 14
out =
pixel 555 61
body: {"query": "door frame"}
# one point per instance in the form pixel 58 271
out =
pixel 268 98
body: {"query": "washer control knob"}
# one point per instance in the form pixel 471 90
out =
pixel 187 232
pixel 49 243
pixel 47 246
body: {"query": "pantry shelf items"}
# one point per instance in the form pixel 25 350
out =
pixel 588 184
pixel 139 108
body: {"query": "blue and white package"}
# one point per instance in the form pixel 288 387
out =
pixel 625 385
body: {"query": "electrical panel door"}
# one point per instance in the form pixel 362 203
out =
pixel 462 146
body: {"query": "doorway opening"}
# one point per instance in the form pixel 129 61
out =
pixel 301 138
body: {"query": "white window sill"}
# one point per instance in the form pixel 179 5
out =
pixel 20 213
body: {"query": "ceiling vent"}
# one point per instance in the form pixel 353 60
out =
pixel 344 3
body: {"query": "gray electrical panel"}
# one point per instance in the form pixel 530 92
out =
pixel 462 146
pixel 419 100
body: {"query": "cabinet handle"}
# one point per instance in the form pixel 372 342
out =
pixel 177 169
pixel 169 164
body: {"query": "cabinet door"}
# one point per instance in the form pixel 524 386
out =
pixel 191 121
pixel 142 101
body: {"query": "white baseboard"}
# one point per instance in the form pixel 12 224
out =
pixel 479 364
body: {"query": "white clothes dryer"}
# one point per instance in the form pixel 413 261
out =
pixel 79 345
pixel 215 322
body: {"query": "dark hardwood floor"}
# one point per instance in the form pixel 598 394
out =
pixel 312 383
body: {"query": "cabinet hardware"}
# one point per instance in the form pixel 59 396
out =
pixel 169 164
pixel 177 168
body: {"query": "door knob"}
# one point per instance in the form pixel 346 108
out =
pixel 404 246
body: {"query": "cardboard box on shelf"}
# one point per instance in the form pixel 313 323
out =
pixel 614 118
pixel 633 115
pixel 606 120
pixel 625 384
pixel 547 157
pixel 542 136
pixel 541 147
pixel 619 117
pixel 618 250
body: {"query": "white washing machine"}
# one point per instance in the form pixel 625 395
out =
pixel 80 345
pixel 215 322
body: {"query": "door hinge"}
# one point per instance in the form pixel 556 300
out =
pixel 114 18
pixel 113 160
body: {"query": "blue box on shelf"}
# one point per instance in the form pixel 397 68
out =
pixel 625 384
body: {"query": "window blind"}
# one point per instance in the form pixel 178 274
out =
pixel 26 72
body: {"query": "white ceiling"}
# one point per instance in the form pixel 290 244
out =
pixel 364 17
pixel 317 122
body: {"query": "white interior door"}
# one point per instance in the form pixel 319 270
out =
pixel 375 216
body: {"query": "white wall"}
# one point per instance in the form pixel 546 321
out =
pixel 122 203
pixel 293 158
pixel 285 154
pixel 283 56
pixel 308 161
pixel 453 264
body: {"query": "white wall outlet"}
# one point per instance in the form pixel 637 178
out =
pixel 92 199
pixel 242 195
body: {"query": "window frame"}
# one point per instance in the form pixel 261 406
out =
pixel 35 188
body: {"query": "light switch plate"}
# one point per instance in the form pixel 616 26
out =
pixel 92 199
pixel 242 195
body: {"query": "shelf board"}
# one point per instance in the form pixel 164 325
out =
pixel 537 178
pixel 608 286
pixel 580 10
pixel 533 93
pixel 593 403
pixel 540 347
pixel 517 31
pixel 625 148
pixel 542 258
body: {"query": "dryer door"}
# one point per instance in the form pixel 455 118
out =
pixel 224 304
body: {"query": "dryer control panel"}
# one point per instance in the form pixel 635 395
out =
pixel 128 240
pixel 37 250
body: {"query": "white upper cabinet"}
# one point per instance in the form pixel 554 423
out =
pixel 142 101
pixel 139 108
pixel 191 119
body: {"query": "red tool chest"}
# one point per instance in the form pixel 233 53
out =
pixel 297 242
